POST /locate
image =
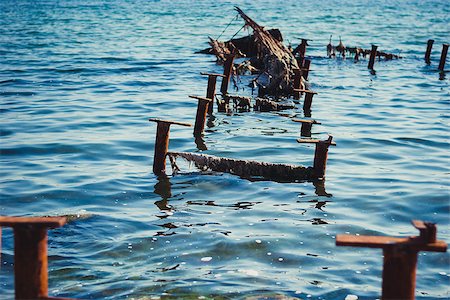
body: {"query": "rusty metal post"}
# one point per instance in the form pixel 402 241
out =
pixel 200 118
pixel 400 257
pixel 162 145
pixel 30 262
pixel 399 273
pixel 308 100
pixel 373 54
pixel 227 70
pixel 30 254
pixel 320 154
pixel 211 90
pixel 428 52
pixel 305 69
pixel 306 126
pixel 297 81
pixel 443 57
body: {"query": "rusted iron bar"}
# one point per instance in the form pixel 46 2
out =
pixel 400 257
pixel 428 52
pixel 297 83
pixel 211 90
pixel 307 102
pixel 320 154
pixel 305 69
pixel 443 57
pixel 30 254
pixel 227 71
pixel 162 144
pixel 373 54
pixel 200 118
pixel 306 126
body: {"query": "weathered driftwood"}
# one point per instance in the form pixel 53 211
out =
pixel 246 45
pixel 277 59
pixel 245 168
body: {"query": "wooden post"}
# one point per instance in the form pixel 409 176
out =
pixel 305 69
pixel 211 90
pixel 320 154
pixel 373 54
pixel 227 70
pixel 428 52
pixel 297 83
pixel 400 257
pixel 30 254
pixel 306 126
pixel 200 118
pixel 162 145
pixel 443 57
pixel 308 98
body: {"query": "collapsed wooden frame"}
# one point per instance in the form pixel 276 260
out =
pixel 243 168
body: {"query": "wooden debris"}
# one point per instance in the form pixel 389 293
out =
pixel 246 45
pixel 278 61
pixel 266 105
pixel 247 168
pixel 240 102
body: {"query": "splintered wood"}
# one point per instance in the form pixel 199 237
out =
pixel 245 168
pixel 278 60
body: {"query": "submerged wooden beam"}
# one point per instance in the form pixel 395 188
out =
pixel 30 254
pixel 247 168
pixel 400 257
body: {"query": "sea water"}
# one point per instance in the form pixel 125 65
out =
pixel 79 80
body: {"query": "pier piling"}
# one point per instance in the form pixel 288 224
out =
pixel 162 144
pixel 400 257
pixel 428 52
pixel 443 57
pixel 320 154
pixel 211 90
pixel 306 126
pixel 373 54
pixel 200 118
pixel 30 254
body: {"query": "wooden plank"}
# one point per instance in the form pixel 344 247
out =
pixel 413 243
pixel 305 91
pixel 170 122
pixel 48 222
pixel 313 141
pixel 306 121
pixel 200 98
pixel 212 74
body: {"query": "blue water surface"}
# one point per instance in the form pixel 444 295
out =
pixel 79 80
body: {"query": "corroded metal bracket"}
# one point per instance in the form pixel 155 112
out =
pixel 30 254
pixel 400 257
